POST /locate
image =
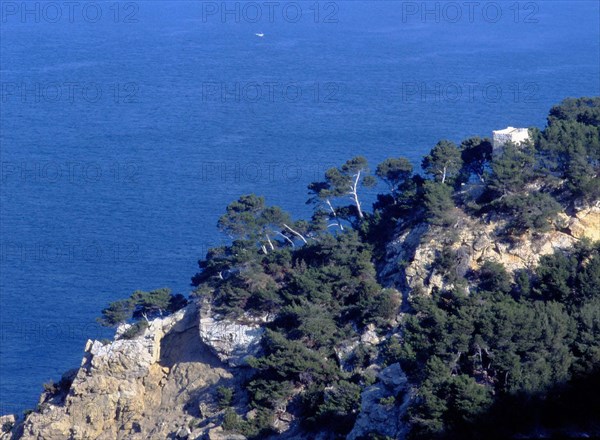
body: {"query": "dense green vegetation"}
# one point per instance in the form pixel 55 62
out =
pixel 504 341
pixel 321 294
pixel 146 305
pixel 497 346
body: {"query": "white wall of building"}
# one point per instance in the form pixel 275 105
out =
pixel 509 134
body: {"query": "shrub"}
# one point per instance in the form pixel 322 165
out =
pixel 363 356
pixel 141 305
pixel 7 427
pixel 439 203
pixel 51 388
pixel 135 330
pixel 529 212
pixel 156 302
pixel 231 421
pixel 63 385
pixel 392 351
pixel 224 396
pixel 116 313
pixel 269 393
pixel 446 263
pixel 387 401
pixel 382 307
pixel 493 277
pixel 512 169
pixel 340 406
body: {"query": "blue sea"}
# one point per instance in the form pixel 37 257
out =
pixel 127 127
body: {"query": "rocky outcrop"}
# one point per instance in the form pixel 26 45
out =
pixel 411 255
pixel 586 223
pixel 218 434
pixel 384 406
pixel 7 424
pixel 232 341
pixel 162 384
pixel 149 387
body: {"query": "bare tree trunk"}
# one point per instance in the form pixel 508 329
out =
pixel 455 363
pixel 478 355
pixel 444 175
pixel 264 249
pixel 393 192
pixel 269 241
pixel 354 193
pixel 287 238
pixel 487 353
pixel 334 214
pixel 296 233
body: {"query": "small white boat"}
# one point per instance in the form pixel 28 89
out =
pixel 260 34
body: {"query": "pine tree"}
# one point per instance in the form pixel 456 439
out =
pixel 443 162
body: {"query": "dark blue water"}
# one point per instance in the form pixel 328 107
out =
pixel 124 138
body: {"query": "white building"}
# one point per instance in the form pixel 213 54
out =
pixel 509 134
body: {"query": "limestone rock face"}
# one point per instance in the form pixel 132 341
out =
pixel 7 423
pixel 162 384
pixel 218 434
pixel 377 416
pixel 586 223
pixel 145 388
pixel 411 255
pixel 369 336
pixel 230 340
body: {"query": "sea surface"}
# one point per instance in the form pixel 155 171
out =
pixel 126 128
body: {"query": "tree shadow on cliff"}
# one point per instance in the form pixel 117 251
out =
pixel 179 349
pixel 190 360
pixel 205 403
pixel 186 346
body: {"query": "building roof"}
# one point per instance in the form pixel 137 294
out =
pixel 508 130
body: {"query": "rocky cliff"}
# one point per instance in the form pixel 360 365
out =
pixel 410 256
pixel 159 385
pixel 163 383
pixel 375 414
